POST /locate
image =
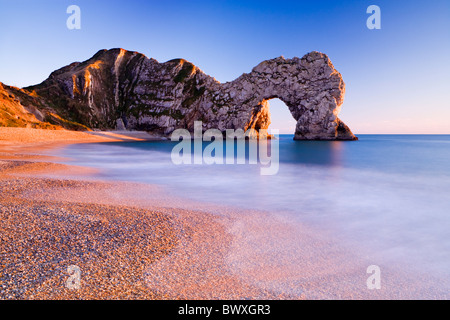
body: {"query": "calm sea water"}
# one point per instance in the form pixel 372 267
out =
pixel 389 193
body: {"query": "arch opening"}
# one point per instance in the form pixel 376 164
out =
pixel 273 114
pixel 281 118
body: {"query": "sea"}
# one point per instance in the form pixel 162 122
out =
pixel 389 195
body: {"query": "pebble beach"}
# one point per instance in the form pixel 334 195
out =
pixel 49 224
pixel 131 240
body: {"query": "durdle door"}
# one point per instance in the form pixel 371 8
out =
pixel 120 89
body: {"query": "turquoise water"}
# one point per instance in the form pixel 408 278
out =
pixel 389 193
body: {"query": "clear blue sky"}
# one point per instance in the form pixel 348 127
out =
pixel 398 78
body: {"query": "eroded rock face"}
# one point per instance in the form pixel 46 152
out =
pixel 311 88
pixel 119 89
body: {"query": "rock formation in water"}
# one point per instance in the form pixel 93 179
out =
pixel 119 89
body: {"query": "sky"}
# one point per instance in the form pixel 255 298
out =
pixel 397 78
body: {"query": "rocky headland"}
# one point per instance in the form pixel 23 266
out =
pixel 124 90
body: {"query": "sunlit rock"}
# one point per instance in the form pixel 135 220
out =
pixel 119 89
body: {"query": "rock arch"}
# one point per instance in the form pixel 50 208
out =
pixel 311 88
pixel 124 89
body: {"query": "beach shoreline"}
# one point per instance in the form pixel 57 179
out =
pixel 137 241
pixel 51 223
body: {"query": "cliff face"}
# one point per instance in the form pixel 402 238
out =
pixel 15 114
pixel 119 89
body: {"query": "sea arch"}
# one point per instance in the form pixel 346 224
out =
pixel 311 88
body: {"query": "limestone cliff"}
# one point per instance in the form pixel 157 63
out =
pixel 15 114
pixel 119 89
